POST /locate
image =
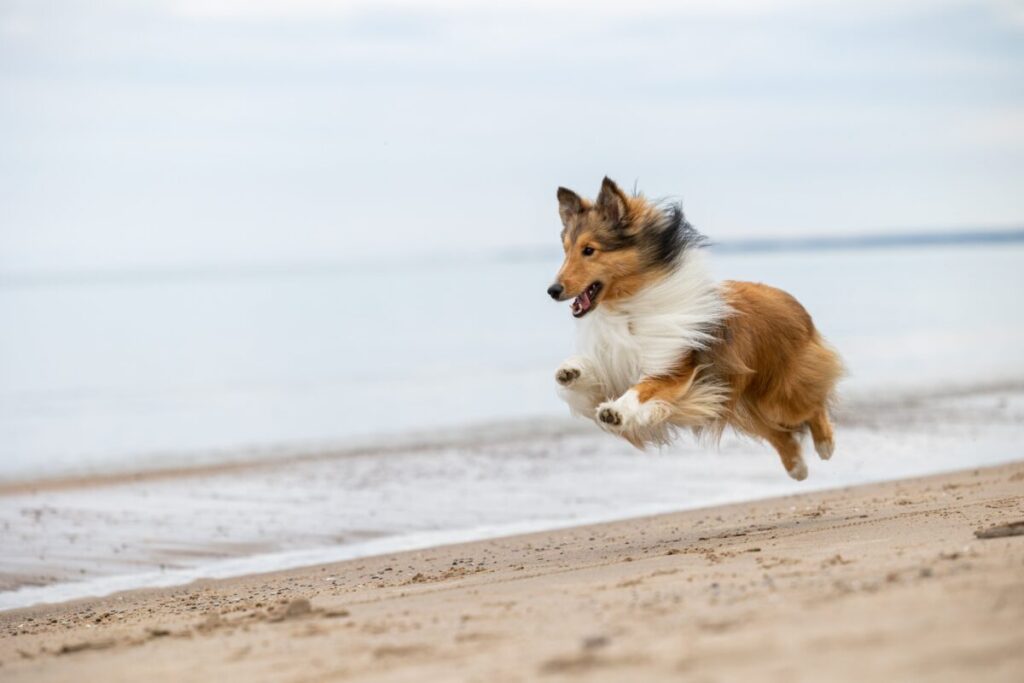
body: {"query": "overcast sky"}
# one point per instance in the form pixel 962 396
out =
pixel 203 132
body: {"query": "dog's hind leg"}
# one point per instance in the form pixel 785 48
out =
pixel 784 441
pixel 821 432
pixel 788 448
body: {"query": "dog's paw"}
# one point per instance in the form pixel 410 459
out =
pixel 825 448
pixel 628 413
pixel 798 470
pixel 570 372
pixel 608 415
pixel 567 375
pixel 615 416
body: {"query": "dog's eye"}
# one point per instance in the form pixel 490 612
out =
pixel 588 251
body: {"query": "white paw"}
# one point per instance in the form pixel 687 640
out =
pixel 570 372
pixel 627 412
pixel 799 470
pixel 825 448
pixel 608 416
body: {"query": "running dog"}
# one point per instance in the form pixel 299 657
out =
pixel 662 346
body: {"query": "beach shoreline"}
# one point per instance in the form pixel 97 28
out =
pixel 97 535
pixel 863 408
pixel 881 580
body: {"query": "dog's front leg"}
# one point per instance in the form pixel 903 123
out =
pixel 580 385
pixel 647 403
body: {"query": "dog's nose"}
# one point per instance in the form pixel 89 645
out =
pixel 555 291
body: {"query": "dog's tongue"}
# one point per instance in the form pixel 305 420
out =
pixel 581 303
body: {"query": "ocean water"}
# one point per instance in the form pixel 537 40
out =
pixel 135 372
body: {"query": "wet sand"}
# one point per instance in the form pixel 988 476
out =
pixel 878 582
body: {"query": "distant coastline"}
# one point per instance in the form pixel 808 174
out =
pixel 871 240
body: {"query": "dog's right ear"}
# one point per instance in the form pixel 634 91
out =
pixel 570 205
pixel 612 202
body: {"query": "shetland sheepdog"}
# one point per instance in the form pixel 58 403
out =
pixel 662 346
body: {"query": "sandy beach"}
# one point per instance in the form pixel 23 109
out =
pixel 886 581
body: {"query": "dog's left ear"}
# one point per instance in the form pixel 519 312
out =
pixel 612 202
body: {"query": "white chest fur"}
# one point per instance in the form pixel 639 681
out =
pixel 647 334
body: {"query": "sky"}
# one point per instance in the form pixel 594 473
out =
pixel 174 133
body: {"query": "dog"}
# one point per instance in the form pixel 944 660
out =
pixel 661 346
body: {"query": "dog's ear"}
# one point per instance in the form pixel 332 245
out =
pixel 570 205
pixel 612 202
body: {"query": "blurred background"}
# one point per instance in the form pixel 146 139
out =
pixel 230 227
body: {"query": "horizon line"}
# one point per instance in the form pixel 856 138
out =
pixel 43 276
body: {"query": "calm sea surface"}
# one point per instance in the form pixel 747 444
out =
pixel 128 373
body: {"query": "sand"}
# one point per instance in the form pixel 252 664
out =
pixel 879 582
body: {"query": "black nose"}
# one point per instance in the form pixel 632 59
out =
pixel 555 291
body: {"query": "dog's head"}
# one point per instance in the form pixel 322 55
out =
pixel 615 245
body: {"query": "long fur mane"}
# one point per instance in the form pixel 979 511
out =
pixel 648 333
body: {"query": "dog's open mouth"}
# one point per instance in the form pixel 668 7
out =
pixel 582 304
